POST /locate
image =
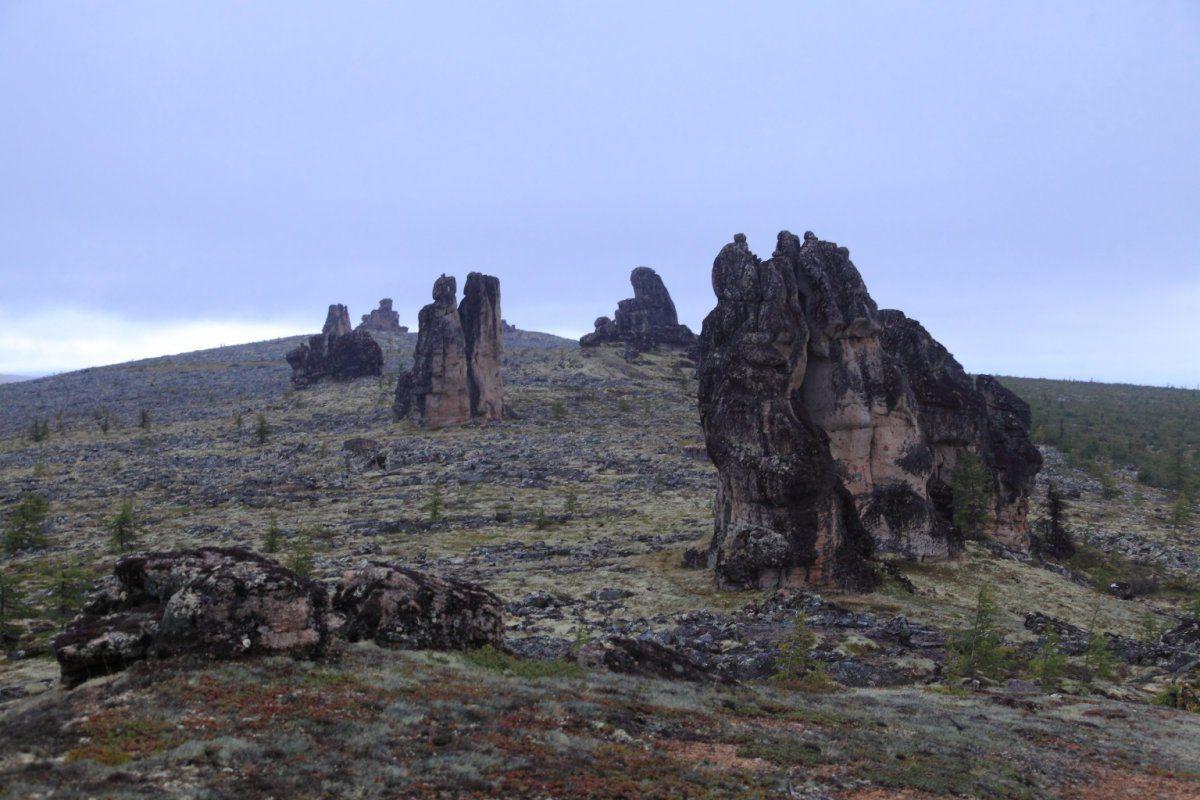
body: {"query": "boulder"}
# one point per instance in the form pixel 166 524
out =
pixel 645 320
pixel 337 353
pixel 369 453
pixel 483 330
pixel 208 602
pixel 382 319
pixel 783 515
pixel 437 388
pixel 403 608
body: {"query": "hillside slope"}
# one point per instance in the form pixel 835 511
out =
pixel 578 513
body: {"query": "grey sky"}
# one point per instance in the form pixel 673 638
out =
pixel 1022 178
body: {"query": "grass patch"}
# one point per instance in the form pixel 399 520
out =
pixel 490 658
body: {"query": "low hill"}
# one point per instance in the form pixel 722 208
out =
pixel 578 512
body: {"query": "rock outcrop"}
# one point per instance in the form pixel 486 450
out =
pixel 337 353
pixel 645 320
pixel 783 516
pixel 483 329
pixel 383 319
pixel 209 602
pixel 402 608
pixel 456 367
pixel 225 603
pixel 827 418
pixel 960 413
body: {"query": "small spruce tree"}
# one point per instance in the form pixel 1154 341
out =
pixel 27 523
pixel 262 430
pixel 122 528
pixel 971 493
pixel 435 505
pixel 271 543
pixel 1058 542
pixel 979 650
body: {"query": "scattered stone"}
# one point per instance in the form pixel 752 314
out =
pixel 644 657
pixel 383 319
pixel 370 453
pixel 209 602
pixel 337 353
pixel 644 321
pixel 406 609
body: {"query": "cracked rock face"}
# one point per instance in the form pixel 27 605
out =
pixel 337 353
pixel 456 365
pixel 826 417
pixel 783 516
pixel 645 320
pixel 403 608
pixel 209 602
pixel 959 413
pixel 383 319
pixel 483 329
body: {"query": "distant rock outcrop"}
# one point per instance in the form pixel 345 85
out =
pixel 383 319
pixel 337 353
pixel 456 366
pixel 826 418
pixel 645 320
pixel 484 332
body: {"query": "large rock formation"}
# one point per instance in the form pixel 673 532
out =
pixel 809 393
pixel 403 608
pixel 960 413
pixel 437 393
pixel 644 320
pixel 210 602
pixel 382 319
pixel 479 312
pixel 338 352
pixel 456 366
pixel 783 516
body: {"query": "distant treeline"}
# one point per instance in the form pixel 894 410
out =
pixel 1155 429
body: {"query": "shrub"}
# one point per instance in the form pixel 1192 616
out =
pixel 122 528
pixel 979 650
pixel 262 430
pixel 102 420
pixel 27 523
pixel 541 521
pixel 794 662
pixel 41 430
pixel 571 503
pixel 558 410
pixel 488 657
pixel 1182 696
pixel 1049 664
pixel 300 560
pixel 436 505
pixel 971 491
pixel 271 542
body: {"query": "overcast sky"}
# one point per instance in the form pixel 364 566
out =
pixel 1024 178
